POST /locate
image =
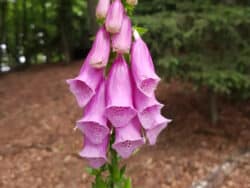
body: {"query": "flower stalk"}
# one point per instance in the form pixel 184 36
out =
pixel 116 175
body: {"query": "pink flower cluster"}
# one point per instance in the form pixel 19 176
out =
pixel 122 101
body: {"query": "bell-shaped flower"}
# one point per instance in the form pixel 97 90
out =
pixel 154 132
pixel 128 138
pixel 115 17
pixel 95 153
pixel 132 2
pixel 94 123
pixel 100 49
pixel 102 8
pixel 121 42
pixel 120 109
pixel 85 84
pixel 148 108
pixel 142 66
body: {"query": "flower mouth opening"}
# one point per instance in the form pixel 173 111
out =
pixel 153 133
pixel 148 86
pixel 126 148
pixel 95 132
pixel 81 91
pixel 147 116
pixel 97 162
pixel 120 116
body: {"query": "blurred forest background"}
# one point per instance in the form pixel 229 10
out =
pixel 206 42
pixel 200 47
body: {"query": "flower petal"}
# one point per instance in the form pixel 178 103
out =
pixel 119 100
pixel 143 68
pixel 100 49
pixel 114 17
pixel 102 8
pixel 121 42
pixel 128 138
pixel 154 132
pixel 94 123
pixel 85 84
pixel 95 153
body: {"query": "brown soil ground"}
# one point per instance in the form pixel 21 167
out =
pixel 38 146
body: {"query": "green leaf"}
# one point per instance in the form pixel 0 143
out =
pixel 100 182
pixel 128 183
pixel 123 169
pixel 92 171
pixel 140 30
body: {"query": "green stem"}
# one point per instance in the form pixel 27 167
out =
pixel 116 178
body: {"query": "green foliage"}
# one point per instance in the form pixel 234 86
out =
pixel 35 27
pixel 203 42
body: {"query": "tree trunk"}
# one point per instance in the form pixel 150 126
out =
pixel 64 21
pixel 3 25
pixel 92 18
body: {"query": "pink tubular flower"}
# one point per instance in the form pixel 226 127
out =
pixel 121 41
pixel 142 67
pixel 95 153
pixel 94 124
pixel 132 2
pixel 114 17
pixel 154 132
pixel 119 108
pixel 148 108
pixel 85 84
pixel 102 8
pixel 100 49
pixel 128 138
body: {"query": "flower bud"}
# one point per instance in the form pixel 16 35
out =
pixel 114 17
pixel 102 8
pixel 142 67
pixel 128 138
pixel 121 42
pixel 119 102
pixel 95 153
pixel 94 123
pixel 100 49
pixel 132 2
pixel 85 84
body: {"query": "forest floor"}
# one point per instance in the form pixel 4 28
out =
pixel 38 144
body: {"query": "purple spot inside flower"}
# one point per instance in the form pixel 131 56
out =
pixel 126 148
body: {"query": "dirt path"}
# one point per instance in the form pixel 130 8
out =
pixel 38 146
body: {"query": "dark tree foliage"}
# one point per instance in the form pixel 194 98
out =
pixel 43 30
pixel 205 42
